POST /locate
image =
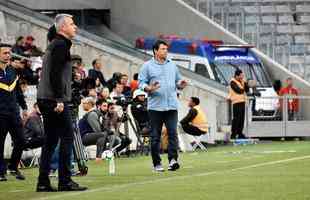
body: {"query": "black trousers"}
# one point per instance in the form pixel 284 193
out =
pixel 11 123
pixel 238 120
pixel 57 126
pixel 192 130
pixel 99 139
pixel 157 119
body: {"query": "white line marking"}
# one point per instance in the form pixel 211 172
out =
pixel 117 187
pixel 14 191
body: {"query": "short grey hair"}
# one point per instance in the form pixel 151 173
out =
pixel 90 100
pixel 60 19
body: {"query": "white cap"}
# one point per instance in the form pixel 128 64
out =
pixel 139 92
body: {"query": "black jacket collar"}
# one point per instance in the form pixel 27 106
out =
pixel 61 37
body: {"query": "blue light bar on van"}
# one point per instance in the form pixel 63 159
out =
pixel 237 54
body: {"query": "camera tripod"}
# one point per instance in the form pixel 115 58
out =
pixel 128 121
pixel 78 147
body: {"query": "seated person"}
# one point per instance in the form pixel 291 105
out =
pixel 117 91
pixel 139 111
pixel 33 129
pixel 195 122
pixel 117 97
pixel 126 88
pixel 90 127
pixel 104 94
pixel 111 121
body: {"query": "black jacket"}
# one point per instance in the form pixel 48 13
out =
pixel 140 113
pixel 192 113
pixel 234 86
pixel 55 83
pixel 34 127
pixel 94 74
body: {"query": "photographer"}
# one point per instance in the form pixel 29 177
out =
pixel 117 91
pixel 118 98
pixel 126 88
pixel 90 126
pixel 112 122
pixel 139 110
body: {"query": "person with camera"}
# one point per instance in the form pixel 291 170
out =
pixel 118 98
pixel 237 95
pixel 91 128
pixel 126 88
pixel 160 78
pixel 139 111
pixel 112 121
pixel 117 91
pixel 10 120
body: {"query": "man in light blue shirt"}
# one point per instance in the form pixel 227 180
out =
pixel 160 78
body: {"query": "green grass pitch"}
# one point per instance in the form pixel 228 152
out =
pixel 277 170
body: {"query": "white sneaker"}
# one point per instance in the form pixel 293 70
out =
pixel 173 165
pixel 159 168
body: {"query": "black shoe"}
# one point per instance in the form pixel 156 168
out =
pixel 71 186
pixel 3 177
pixel 45 188
pixel 18 175
pixel 173 165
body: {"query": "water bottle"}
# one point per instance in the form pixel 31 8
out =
pixel 112 166
pixel 108 155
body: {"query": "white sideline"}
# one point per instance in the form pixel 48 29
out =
pixel 117 187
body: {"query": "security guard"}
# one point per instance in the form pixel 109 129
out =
pixel 10 120
pixel 237 96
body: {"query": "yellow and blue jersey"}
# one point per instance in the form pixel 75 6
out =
pixel 8 84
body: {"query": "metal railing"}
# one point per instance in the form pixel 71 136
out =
pixel 283 116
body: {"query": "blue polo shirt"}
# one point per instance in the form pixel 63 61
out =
pixel 168 75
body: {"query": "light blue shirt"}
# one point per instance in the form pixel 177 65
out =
pixel 168 76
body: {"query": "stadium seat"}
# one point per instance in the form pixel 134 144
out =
pixel 268 9
pixel 283 9
pixel 286 19
pixel 303 8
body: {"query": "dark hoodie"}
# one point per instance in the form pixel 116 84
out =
pixel 51 34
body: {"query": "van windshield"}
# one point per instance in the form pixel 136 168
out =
pixel 225 71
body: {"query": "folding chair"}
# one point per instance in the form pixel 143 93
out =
pixel 34 154
pixel 197 143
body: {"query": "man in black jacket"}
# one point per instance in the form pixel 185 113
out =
pixel 10 120
pixel 96 72
pixel 54 93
